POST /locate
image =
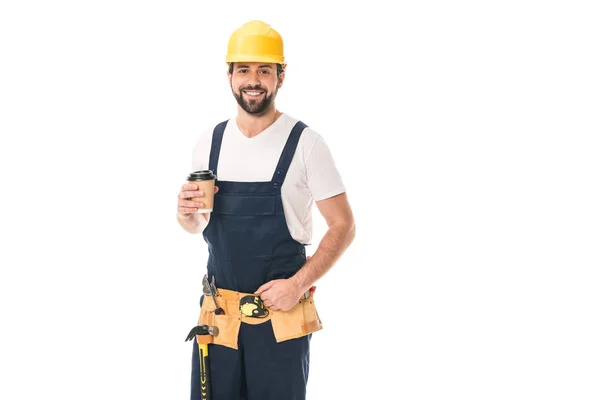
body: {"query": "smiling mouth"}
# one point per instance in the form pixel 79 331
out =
pixel 253 93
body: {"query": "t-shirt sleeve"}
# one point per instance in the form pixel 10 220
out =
pixel 201 151
pixel 200 158
pixel 323 178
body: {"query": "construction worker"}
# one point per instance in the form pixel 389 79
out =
pixel 271 169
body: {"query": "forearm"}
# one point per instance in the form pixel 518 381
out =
pixel 333 245
pixel 192 223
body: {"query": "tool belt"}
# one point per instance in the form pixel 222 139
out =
pixel 248 308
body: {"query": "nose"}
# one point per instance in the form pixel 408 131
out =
pixel 253 79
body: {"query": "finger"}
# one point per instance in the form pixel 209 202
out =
pixel 186 210
pixel 269 304
pixel 264 287
pixel 186 195
pixel 189 203
pixel 195 193
pixel 216 189
pixel 189 186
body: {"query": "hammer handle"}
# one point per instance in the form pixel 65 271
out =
pixel 204 372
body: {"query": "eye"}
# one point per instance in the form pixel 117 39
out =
pixel 265 72
pixel 242 71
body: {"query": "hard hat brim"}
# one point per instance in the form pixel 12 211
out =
pixel 254 58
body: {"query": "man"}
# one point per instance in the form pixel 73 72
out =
pixel 270 170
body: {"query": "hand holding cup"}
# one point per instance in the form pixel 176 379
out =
pixel 190 200
pixel 197 196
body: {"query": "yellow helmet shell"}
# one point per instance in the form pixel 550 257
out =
pixel 255 41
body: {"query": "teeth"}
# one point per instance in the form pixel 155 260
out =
pixel 253 93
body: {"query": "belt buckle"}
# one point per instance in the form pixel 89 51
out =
pixel 253 307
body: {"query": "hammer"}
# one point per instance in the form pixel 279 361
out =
pixel 203 350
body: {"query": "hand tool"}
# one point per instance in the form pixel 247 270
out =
pixel 202 330
pixel 309 292
pixel 210 289
pixel 203 353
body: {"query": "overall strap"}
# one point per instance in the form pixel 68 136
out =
pixel 215 148
pixel 286 156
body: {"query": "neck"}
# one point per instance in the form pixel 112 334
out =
pixel 251 125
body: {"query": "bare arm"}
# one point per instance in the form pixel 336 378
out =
pixel 283 294
pixel 338 215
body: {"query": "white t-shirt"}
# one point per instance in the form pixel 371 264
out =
pixel 312 175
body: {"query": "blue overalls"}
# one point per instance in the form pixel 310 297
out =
pixel 250 244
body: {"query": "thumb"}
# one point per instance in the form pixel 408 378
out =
pixel 264 287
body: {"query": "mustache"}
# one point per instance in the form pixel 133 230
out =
pixel 254 88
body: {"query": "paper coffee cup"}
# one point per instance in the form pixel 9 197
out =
pixel 205 180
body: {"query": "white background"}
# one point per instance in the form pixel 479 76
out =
pixel 467 136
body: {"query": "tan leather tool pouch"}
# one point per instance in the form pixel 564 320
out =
pixel 228 324
pixel 301 320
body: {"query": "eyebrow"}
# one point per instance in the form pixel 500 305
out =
pixel 260 66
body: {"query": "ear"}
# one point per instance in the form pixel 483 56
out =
pixel 281 78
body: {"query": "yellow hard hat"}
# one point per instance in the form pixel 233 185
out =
pixel 255 41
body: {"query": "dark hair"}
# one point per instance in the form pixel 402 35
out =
pixel 279 69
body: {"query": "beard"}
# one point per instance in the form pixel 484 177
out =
pixel 255 107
